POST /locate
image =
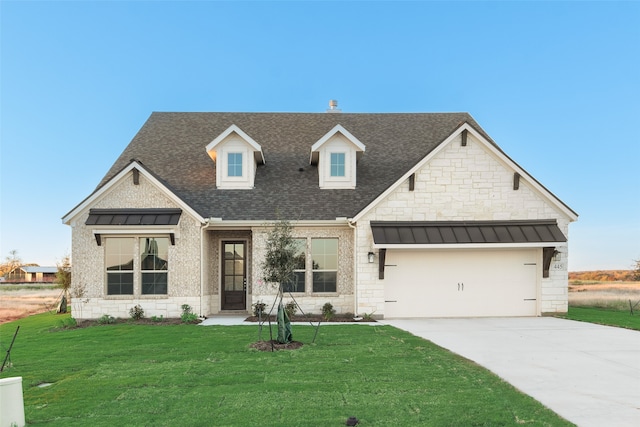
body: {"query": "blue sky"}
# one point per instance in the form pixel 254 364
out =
pixel 555 84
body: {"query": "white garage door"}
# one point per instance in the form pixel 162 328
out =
pixel 469 283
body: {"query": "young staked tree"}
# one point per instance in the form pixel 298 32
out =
pixel 278 266
pixel 63 278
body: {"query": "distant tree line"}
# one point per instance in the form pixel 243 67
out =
pixel 608 275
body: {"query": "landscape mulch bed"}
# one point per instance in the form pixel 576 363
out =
pixel 275 345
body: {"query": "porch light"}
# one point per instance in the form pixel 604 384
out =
pixel 371 257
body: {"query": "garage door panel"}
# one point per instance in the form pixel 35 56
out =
pixel 461 283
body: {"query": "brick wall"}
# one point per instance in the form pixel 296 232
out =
pixel 88 288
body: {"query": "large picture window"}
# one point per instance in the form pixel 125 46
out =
pixel 119 263
pixel 324 253
pixel 297 284
pixel 151 267
pixel 154 252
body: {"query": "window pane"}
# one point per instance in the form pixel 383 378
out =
pixel 154 252
pixel 337 164
pixel 300 246
pixel 154 283
pixel 324 253
pixel 297 284
pixel 120 283
pixel 119 253
pixel 324 281
pixel 234 164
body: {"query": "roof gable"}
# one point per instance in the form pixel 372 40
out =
pixel 358 146
pixel 462 131
pixel 134 167
pixel 257 149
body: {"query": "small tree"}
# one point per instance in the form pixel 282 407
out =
pixel 10 264
pixel 63 278
pixel 635 274
pixel 278 266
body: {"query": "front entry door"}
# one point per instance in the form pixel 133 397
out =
pixel 234 276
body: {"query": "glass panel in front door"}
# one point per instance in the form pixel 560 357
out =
pixel 234 266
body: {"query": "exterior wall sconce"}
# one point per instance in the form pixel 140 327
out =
pixel 371 257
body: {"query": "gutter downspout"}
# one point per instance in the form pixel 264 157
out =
pixel 202 264
pixel 355 266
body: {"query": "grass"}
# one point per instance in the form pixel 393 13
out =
pixel 34 287
pixel 167 375
pixel 606 316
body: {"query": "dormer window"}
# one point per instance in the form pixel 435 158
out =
pixel 337 164
pixel 237 157
pixel 234 164
pixel 336 154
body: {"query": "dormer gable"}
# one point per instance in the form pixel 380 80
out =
pixel 237 157
pixel 337 154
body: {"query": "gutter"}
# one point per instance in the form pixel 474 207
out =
pixel 353 226
pixel 219 223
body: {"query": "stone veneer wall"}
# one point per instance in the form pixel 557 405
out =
pixel 458 184
pixel 311 302
pixel 88 288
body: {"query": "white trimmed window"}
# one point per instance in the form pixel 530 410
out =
pixel 234 164
pixel 237 157
pixel 336 155
pixel 337 164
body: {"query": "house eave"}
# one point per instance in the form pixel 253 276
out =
pixel 458 246
pixel 220 224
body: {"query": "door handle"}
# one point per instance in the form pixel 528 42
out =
pixel 244 284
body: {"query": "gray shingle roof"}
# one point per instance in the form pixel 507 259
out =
pixel 172 147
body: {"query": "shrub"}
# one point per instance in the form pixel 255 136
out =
pixel 106 319
pixel 291 309
pixel 328 311
pixel 188 316
pixel 137 312
pixel 259 308
pixel 157 319
pixel 368 317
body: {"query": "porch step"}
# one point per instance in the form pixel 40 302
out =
pixel 230 313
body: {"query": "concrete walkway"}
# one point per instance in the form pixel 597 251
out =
pixel 588 374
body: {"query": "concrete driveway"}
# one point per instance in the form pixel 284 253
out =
pixel 588 374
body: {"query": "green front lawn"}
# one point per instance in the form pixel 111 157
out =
pixel 605 316
pixel 188 375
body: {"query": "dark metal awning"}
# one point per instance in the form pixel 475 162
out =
pixel 387 233
pixel 134 217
